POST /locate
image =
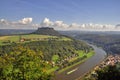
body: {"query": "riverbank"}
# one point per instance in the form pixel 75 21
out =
pixel 88 55
pixel 110 60
pixel 89 72
pixel 83 67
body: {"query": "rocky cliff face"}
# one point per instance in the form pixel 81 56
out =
pixel 47 31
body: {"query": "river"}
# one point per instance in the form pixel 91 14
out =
pixel 84 67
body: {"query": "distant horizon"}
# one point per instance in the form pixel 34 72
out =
pixel 27 23
pixel 67 30
pixel 60 14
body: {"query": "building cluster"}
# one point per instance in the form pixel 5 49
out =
pixel 110 60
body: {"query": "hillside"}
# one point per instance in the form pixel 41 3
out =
pixel 54 51
pixel 60 50
pixel 109 41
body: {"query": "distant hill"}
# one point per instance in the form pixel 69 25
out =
pixel 47 31
pixel 14 31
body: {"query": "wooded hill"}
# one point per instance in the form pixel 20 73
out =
pixel 61 46
pixel 44 55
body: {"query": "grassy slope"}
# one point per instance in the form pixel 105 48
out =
pixel 15 38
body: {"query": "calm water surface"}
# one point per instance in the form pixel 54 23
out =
pixel 84 67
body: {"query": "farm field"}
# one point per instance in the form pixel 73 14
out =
pixel 29 37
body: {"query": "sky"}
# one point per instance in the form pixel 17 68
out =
pixel 66 14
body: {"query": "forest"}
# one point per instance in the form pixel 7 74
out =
pixel 109 41
pixel 38 59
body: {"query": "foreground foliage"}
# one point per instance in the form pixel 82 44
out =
pixel 23 64
pixel 25 61
pixel 109 73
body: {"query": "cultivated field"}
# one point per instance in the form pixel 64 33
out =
pixel 27 38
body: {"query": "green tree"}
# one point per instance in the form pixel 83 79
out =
pixel 55 58
pixel 108 73
pixel 23 64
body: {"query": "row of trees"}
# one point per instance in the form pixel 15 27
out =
pixel 50 48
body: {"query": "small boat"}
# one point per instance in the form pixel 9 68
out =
pixel 72 71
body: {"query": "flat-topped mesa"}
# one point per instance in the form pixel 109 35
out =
pixel 47 31
pixel 45 28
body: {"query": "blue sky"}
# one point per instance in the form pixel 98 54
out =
pixel 69 11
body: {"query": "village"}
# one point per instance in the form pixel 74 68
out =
pixel 111 60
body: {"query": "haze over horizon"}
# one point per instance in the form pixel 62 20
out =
pixel 97 15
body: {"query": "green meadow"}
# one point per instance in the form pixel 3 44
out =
pixel 33 37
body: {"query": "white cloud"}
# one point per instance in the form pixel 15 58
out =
pixel 57 24
pixel 74 25
pixel 3 21
pixel 60 24
pixel 26 23
pixel 26 20
pixel 46 23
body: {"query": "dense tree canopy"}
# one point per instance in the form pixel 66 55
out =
pixel 23 64
pixel 25 61
pixel 50 48
pixel 109 73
